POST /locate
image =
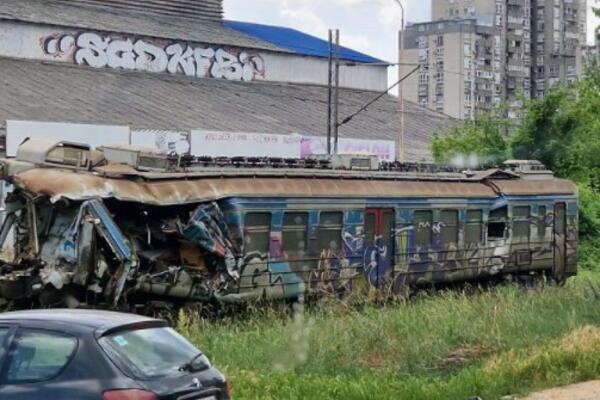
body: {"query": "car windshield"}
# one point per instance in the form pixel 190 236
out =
pixel 154 352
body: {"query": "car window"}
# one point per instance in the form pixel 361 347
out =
pixel 37 356
pixel 154 352
pixel 3 334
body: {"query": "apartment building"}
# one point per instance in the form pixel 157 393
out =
pixel 447 9
pixel 460 72
pixel 492 52
pixel 559 30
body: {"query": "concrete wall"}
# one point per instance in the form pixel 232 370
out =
pixel 119 51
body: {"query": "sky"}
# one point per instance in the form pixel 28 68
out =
pixel 369 26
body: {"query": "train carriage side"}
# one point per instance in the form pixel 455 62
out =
pixel 334 237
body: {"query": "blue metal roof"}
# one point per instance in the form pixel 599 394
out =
pixel 296 41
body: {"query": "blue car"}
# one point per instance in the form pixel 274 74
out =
pixel 99 355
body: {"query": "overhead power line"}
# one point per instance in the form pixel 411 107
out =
pixel 381 95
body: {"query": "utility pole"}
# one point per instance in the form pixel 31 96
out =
pixel 336 99
pixel 400 145
pixel 330 92
pixel 333 91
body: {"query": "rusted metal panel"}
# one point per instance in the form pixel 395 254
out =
pixel 58 183
pixel 536 187
pixel 125 171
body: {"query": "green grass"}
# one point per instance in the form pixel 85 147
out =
pixel 446 346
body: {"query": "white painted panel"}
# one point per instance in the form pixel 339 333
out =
pixel 242 144
pixel 94 135
pixel 384 149
pixel 161 140
pixel 313 70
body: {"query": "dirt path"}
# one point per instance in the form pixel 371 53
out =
pixel 581 391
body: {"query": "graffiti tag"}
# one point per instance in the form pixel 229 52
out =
pixel 103 51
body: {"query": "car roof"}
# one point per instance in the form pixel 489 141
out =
pixel 94 320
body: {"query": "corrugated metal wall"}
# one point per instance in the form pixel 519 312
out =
pixel 205 9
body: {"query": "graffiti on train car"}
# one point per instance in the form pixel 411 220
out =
pixel 98 233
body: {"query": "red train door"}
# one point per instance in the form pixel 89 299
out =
pixel 379 244
pixel 560 241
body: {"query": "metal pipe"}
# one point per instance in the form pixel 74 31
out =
pixel 400 137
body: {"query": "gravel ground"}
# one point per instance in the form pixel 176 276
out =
pixel 582 391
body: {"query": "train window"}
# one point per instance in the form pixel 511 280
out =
pixel 521 212
pixel 541 221
pixel 330 231
pixel 257 227
pixel 294 235
pixel 473 228
pixel 370 221
pixel 521 228
pixel 497 223
pixel 449 219
pixel 387 226
pixel 423 222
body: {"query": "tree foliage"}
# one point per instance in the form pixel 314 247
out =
pixel 562 130
pixel 480 141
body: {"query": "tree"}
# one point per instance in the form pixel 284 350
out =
pixel 478 142
pixel 562 130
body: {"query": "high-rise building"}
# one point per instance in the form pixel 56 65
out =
pixel 558 36
pixel 459 71
pixel 449 9
pixel 477 53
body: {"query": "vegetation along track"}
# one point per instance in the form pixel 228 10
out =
pixel 505 341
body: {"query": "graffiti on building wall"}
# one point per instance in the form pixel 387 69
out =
pixel 119 52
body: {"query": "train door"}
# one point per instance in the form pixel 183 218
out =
pixel 379 244
pixel 560 241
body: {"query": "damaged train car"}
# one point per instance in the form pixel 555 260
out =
pixel 128 229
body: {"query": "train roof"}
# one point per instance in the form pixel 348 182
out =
pixel 63 170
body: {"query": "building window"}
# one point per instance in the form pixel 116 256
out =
pixel 497 223
pixel 423 221
pixel 257 228
pixel 449 219
pixel 474 225
pixel 521 229
pixel 295 234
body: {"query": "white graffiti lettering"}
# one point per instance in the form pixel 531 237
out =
pixel 149 57
pixel 181 60
pixel 120 54
pixel 92 50
pixel 99 51
pixel 203 59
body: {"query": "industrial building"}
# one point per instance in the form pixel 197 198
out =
pixel 143 72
